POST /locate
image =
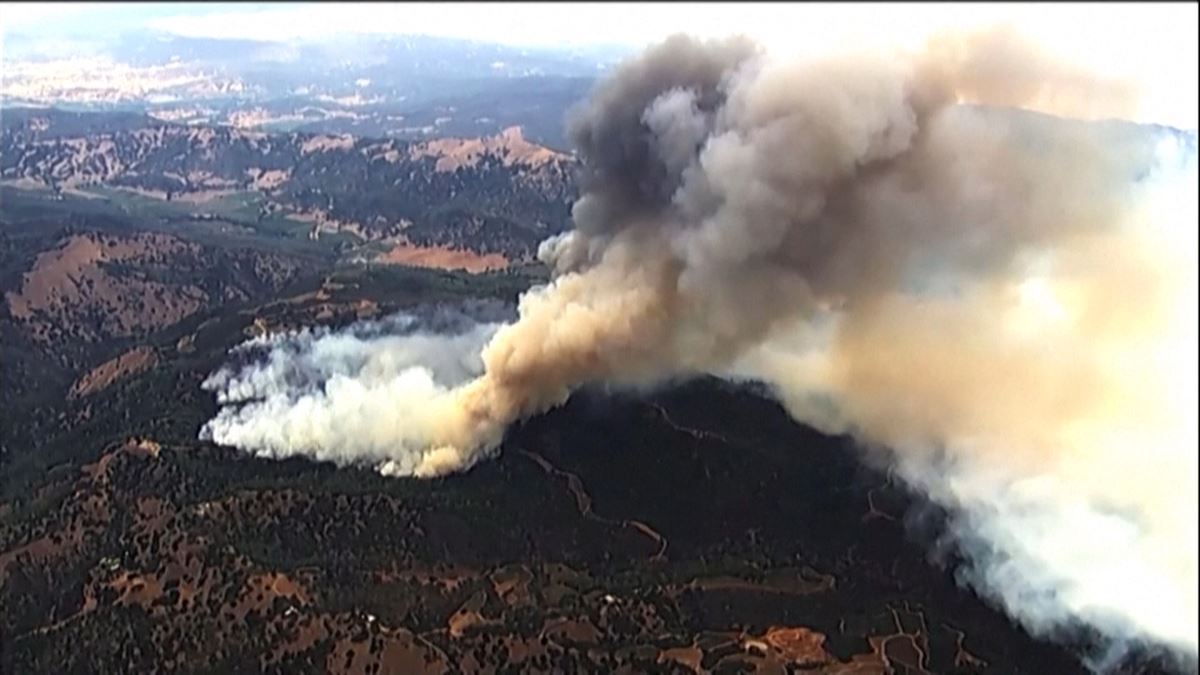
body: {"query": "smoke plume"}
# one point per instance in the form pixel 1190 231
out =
pixel 360 394
pixel 919 249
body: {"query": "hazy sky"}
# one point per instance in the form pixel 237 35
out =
pixel 1153 44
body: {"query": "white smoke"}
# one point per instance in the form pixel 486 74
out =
pixel 362 394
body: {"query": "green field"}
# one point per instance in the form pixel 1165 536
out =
pixel 239 208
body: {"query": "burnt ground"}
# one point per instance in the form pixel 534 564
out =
pixel 697 529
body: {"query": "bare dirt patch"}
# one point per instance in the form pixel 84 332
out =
pixel 326 144
pixel 132 362
pixel 509 145
pixel 442 257
pixel 268 179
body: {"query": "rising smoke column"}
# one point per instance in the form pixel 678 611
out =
pixel 997 299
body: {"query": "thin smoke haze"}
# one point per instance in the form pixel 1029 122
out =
pixel 919 249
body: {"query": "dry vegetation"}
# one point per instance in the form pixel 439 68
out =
pixel 442 257
pixel 126 365
pixel 73 281
pixel 510 145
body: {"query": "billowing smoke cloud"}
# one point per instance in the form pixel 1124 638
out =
pixel 1002 301
pixel 360 394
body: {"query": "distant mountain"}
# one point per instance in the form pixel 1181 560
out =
pixel 402 86
pixel 390 59
pixel 477 107
pixel 497 194
pixel 47 123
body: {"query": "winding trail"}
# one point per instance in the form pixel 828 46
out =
pixel 584 501
pixel 916 639
pixel 962 657
pixel 699 434
pixel 873 511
